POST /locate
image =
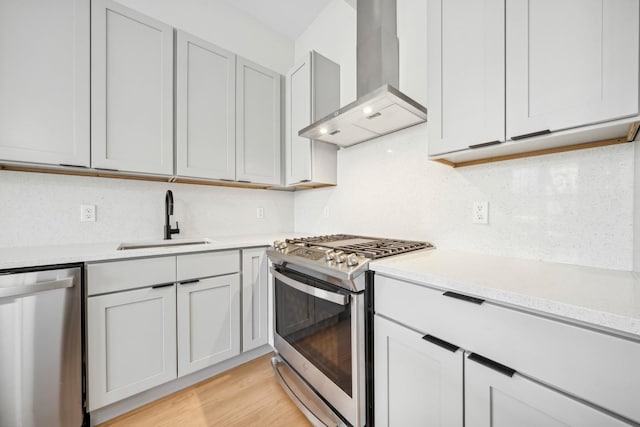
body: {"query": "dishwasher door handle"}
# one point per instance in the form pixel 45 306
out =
pixel 14 291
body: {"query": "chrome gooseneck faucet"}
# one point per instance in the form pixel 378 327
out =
pixel 168 211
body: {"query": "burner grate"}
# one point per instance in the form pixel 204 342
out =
pixel 368 247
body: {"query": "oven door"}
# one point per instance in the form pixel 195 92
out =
pixel 319 332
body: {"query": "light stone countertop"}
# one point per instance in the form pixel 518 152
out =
pixel 596 297
pixel 11 258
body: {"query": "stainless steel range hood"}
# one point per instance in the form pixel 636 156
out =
pixel 380 108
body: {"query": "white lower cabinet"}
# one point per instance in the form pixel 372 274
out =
pixel 520 369
pixel 493 399
pixel 255 304
pixel 208 322
pixel 131 341
pixel 152 320
pixel 417 382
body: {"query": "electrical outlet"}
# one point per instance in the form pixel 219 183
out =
pixel 325 212
pixel 480 213
pixel 87 213
pixel 260 213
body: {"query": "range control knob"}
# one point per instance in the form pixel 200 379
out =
pixel 330 255
pixel 340 257
pixel 283 245
pixel 276 244
pixel 352 260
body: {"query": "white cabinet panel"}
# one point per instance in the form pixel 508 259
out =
pixel 493 399
pixel 255 285
pixel 205 119
pixel 114 276
pixel 298 149
pixel 131 89
pixel 44 81
pixel 465 73
pixel 131 343
pixel 208 322
pixel 313 91
pixel 195 266
pixel 570 63
pixel 416 382
pixel 258 141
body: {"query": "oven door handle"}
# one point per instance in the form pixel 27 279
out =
pixel 316 292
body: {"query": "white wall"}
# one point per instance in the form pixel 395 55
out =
pixel 224 25
pixel 573 207
pixel 43 209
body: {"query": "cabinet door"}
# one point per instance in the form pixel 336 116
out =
pixel 255 285
pixel 313 92
pixel 44 81
pixel 258 124
pixel 131 90
pixel 131 343
pixel 416 382
pixel 208 322
pixel 493 399
pixel 570 63
pixel 298 116
pixel 206 109
pixel 465 80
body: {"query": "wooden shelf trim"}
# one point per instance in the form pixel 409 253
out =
pixel 175 179
pixel 574 147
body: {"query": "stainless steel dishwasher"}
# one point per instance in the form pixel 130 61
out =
pixel 41 347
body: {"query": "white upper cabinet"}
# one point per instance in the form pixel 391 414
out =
pixel 206 109
pixel 570 63
pixel 258 141
pixel 313 91
pixel 465 73
pixel 564 71
pixel 131 90
pixel 44 81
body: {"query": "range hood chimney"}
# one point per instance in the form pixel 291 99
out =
pixel 380 108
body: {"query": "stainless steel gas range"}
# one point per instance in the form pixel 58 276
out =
pixel 323 304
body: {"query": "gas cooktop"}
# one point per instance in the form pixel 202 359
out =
pixel 342 256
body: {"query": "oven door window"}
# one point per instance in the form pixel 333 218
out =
pixel 318 329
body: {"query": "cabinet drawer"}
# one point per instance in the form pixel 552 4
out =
pixel 207 264
pixel 594 366
pixel 120 275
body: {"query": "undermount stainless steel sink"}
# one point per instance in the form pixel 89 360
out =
pixel 163 244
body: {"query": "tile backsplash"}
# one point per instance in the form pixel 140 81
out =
pixel 574 207
pixel 44 209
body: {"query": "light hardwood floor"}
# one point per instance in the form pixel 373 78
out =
pixel 248 395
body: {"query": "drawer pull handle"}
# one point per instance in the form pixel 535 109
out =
pixel 188 282
pixel 441 343
pixel 505 370
pixel 530 135
pixel 467 298
pixel 161 286
pixel 486 144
